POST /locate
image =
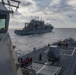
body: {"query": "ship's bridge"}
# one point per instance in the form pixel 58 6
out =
pixel 8 60
pixel 4 18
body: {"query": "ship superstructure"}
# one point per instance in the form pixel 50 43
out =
pixel 61 55
pixel 8 59
pixel 35 27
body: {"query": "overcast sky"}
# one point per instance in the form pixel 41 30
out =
pixel 60 13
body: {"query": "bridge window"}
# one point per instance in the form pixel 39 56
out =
pixel 2 22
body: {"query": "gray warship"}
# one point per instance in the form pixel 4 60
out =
pixel 35 27
pixel 8 59
pixel 9 64
pixel 56 59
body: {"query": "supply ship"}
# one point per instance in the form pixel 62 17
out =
pixel 35 27
pixel 54 59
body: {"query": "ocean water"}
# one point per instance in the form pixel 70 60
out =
pixel 25 44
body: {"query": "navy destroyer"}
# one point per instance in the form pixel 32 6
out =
pixel 35 27
pixel 9 64
pixel 8 59
pixel 56 59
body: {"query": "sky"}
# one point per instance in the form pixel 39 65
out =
pixel 59 13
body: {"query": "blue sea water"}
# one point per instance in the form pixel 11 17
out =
pixel 26 43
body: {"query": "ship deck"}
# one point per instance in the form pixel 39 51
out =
pixel 7 54
pixel 66 65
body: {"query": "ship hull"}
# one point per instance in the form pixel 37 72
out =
pixel 23 32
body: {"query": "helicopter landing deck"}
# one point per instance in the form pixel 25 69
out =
pixel 67 61
pixel 42 69
pixel 67 51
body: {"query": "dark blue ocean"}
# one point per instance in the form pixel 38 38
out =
pixel 26 43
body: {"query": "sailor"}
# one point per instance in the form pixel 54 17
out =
pixel 40 56
pixel 31 60
pixel 20 60
pixel 34 49
pixel 48 44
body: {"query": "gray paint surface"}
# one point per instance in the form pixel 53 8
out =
pixel 2 7
pixel 6 64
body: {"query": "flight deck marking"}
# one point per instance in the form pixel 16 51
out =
pixel 73 51
pixel 46 50
pixel 41 69
pixel 62 58
pixel 64 52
